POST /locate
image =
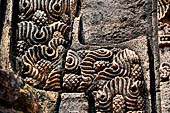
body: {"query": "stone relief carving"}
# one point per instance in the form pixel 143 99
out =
pixel 163 22
pixel 164 35
pixel 113 76
pixel 42 40
pixel 163 10
pixel 165 71
pixel 164 44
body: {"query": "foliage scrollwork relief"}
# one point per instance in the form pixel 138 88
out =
pixel 113 76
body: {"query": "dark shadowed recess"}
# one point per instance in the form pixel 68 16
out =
pixel 13 40
pixel 2 15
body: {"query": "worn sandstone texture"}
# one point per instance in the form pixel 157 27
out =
pixel 79 56
pixel 16 96
pixel 6 32
pixel 73 103
pixel 47 100
pixel 113 21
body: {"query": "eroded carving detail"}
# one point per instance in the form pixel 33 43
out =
pixel 163 22
pixel 165 71
pixel 164 34
pixel 163 6
pixel 118 104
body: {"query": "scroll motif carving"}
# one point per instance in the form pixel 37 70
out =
pixel 163 8
pixel 123 87
pixel 165 71
pixel 54 81
pixel 72 61
pixel 135 112
pixel 112 76
pixel 31 33
pixel 87 66
pixel 54 8
pixel 43 39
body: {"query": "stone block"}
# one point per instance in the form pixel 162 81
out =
pixel 47 100
pixel 114 21
pixel 73 103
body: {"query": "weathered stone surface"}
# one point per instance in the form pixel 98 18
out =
pixel 114 21
pixel 28 101
pixel 6 35
pixel 47 100
pixel 73 103
pixel 3 110
pixel 16 95
pixel 165 96
pixel 10 85
pixel 165 81
pixel 20 97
